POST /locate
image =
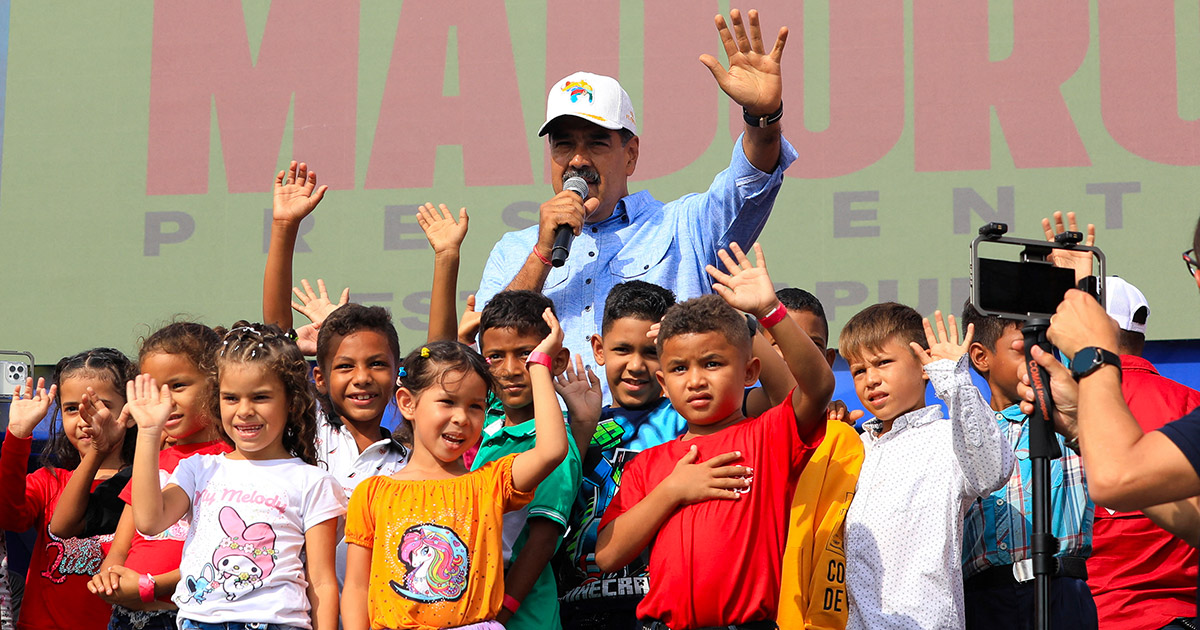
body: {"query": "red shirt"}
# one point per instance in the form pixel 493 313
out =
pixel 160 554
pixel 1141 576
pixel 717 562
pixel 56 594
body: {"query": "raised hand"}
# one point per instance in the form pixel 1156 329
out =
pixel 1080 261
pixel 579 388
pixel 746 287
pixel 296 193
pixel 837 411
pixel 553 341
pixel 444 232
pixel 149 405
pixel 943 344
pixel 29 407
pixel 468 326
pixel 692 481
pixel 753 79
pixel 99 425
pixel 317 306
pixel 306 339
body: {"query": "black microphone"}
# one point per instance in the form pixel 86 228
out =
pixel 563 234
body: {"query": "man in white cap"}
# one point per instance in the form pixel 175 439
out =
pixel 1141 577
pixel 620 236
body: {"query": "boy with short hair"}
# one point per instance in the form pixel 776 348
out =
pixel 714 501
pixel 996 534
pixel 510 327
pixel 638 418
pixel 921 472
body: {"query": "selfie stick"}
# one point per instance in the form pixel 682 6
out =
pixel 1043 446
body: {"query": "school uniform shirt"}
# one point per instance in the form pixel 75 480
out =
pixel 241 559
pixel 435 546
pixel 1141 576
pixel 59 568
pixel 338 453
pixel 551 500
pixel 160 553
pixel 586 590
pixel 717 562
pixel 812 591
pixel 904 528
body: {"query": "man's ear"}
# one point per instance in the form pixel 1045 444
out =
pixel 980 358
pixel 319 380
pixel 406 401
pixel 830 356
pixel 631 156
pixel 753 369
pixel 597 349
pixel 561 360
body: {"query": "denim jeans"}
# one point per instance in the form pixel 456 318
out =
pixel 125 619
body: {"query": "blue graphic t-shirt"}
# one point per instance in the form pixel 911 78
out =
pixel 588 595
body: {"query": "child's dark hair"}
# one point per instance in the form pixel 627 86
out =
pixel 519 310
pixel 988 328
pixel 347 319
pixel 636 299
pixel 104 363
pixel 875 325
pixel 267 345
pixel 707 313
pixel 351 318
pixel 431 362
pixel 195 342
pixel 794 299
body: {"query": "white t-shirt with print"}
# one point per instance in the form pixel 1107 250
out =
pixel 241 560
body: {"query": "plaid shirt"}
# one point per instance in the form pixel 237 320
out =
pixel 997 529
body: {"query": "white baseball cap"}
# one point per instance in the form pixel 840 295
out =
pixel 1126 304
pixel 593 97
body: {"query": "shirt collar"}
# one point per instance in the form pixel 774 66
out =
pixel 1012 414
pixel 1134 362
pixel 922 416
pixel 498 429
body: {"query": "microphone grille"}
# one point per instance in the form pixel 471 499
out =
pixel 577 185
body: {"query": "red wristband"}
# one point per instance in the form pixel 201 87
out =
pixel 541 358
pixel 774 317
pixel 545 261
pixel 146 587
pixel 511 604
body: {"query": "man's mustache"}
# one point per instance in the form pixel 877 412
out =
pixel 589 175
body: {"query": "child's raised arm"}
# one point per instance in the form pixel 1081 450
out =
pixel 775 377
pixel 296 196
pixel 445 236
pixel 106 433
pixel 748 288
pixel 580 390
pixel 154 508
pixel 29 407
pixel 532 466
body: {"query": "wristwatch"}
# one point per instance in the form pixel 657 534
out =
pixel 1090 359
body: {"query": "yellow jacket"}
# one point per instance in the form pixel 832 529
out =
pixel 813 582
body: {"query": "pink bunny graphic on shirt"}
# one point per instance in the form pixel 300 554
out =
pixel 245 556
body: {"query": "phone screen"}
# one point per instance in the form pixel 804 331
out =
pixel 1022 289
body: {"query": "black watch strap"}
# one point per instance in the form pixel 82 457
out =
pixel 763 121
pixel 1092 358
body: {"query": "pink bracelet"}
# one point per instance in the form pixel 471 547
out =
pixel 774 317
pixel 146 588
pixel 510 603
pixel 541 358
pixel 545 261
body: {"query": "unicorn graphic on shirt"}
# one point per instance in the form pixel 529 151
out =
pixel 438 564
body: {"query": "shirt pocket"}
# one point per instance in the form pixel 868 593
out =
pixel 557 276
pixel 643 254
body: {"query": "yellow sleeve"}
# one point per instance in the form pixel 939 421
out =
pixel 813 581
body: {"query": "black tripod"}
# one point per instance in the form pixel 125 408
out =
pixel 1043 446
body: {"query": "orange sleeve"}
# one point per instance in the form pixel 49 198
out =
pixel 360 519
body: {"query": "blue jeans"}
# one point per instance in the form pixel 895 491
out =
pixel 191 624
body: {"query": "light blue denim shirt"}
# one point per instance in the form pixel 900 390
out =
pixel 645 239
